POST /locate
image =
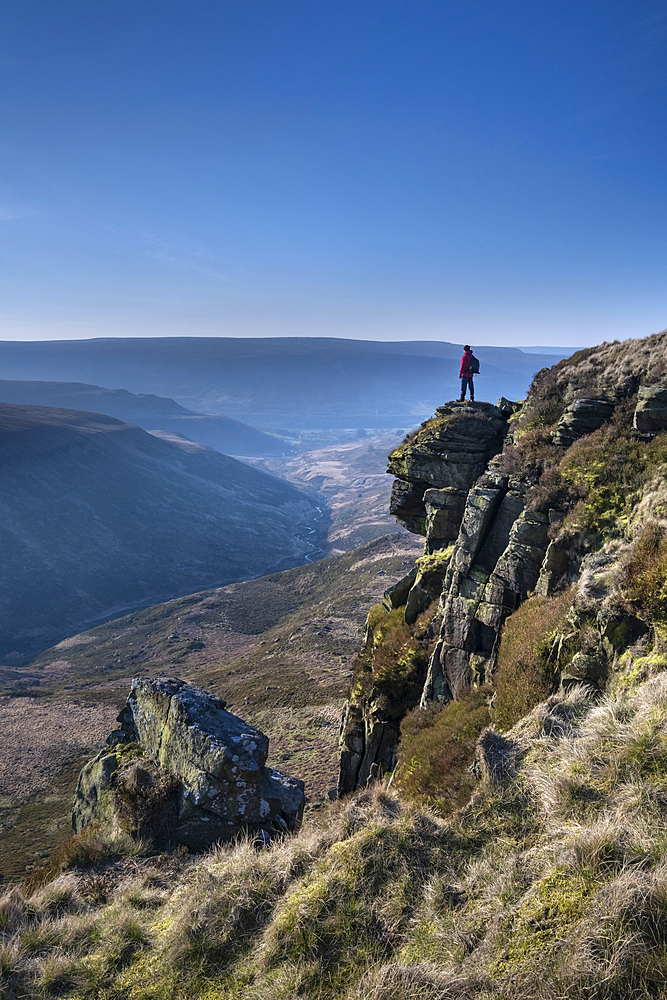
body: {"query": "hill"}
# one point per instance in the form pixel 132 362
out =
pixel 290 382
pixel 515 847
pixel 99 516
pixel 148 411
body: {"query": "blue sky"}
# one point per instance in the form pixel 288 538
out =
pixel 492 172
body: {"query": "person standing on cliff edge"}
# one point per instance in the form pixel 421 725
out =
pixel 466 374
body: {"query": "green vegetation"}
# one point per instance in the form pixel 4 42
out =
pixel 644 582
pixel 436 562
pixel 425 432
pixel 279 650
pixel 519 850
pixel 391 668
pixel 551 885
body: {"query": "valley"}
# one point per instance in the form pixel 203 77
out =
pixel 98 516
pixel 278 649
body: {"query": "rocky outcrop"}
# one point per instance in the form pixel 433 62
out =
pixel 538 519
pixel 370 728
pixel 445 458
pixel 582 417
pixel 448 452
pixel 497 560
pixel 444 513
pixel 182 769
pixel 651 410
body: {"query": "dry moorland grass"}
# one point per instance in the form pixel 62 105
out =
pixel 550 884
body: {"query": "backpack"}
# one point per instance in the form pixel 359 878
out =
pixel 473 365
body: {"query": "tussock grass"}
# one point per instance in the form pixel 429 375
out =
pixel 549 884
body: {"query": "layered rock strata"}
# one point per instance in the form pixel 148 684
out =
pixel 495 550
pixel 438 466
pixel 447 453
pixel 497 560
pixel 582 417
pixel 651 410
pixel 181 769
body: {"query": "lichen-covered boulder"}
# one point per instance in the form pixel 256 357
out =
pixel 202 769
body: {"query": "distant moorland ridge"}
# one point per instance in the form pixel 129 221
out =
pixel 148 411
pixel 280 382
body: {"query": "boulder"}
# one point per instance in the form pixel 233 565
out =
pixel 581 417
pixel 396 596
pixel 182 769
pixel 651 411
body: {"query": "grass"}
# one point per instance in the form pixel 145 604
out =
pixel 530 862
pixel 644 580
pixel 527 671
pixel 438 749
pixel 532 889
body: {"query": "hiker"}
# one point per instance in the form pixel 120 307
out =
pixel 468 368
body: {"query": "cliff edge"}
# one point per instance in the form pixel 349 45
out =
pixel 517 502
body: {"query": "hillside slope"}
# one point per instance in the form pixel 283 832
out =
pixel 518 849
pixel 98 515
pixel 278 649
pixel 148 411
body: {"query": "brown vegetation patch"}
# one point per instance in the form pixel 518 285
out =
pixel 525 674
pixel 438 748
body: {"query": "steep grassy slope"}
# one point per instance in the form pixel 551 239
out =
pixel 550 884
pixel 98 516
pixel 148 411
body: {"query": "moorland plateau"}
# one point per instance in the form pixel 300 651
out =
pixel 278 382
pixel 500 828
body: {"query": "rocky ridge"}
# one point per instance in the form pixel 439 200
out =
pixel 501 494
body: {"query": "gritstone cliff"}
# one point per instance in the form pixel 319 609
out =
pixel 513 500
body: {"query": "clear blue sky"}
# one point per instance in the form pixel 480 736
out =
pixel 385 169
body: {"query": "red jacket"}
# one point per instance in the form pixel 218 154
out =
pixel 465 365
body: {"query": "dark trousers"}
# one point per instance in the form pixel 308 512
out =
pixel 466 383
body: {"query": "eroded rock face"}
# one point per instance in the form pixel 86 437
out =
pixel 496 562
pixel 448 452
pixel 582 417
pixel 203 769
pixel 651 411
